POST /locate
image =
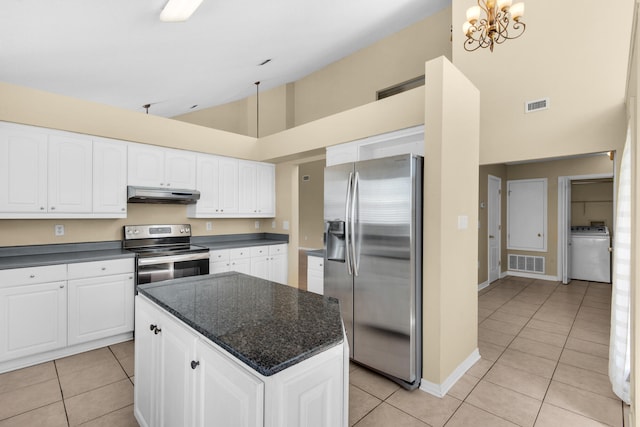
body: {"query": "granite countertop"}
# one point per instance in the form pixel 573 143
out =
pixel 266 325
pixel 229 241
pixel 316 252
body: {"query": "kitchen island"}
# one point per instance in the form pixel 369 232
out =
pixel 234 350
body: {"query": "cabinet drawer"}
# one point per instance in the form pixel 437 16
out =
pixel 101 268
pixel 239 253
pixel 219 255
pixel 30 275
pixel 277 249
pixel 259 251
pixel 315 263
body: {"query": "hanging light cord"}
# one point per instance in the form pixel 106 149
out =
pixel 257 110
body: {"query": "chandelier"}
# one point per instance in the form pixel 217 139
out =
pixel 494 28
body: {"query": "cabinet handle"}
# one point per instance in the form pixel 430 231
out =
pixel 104 268
pixel 130 277
pixel 194 364
pixel 32 276
pixel 162 184
pixel 152 327
pixel 61 286
pixel 53 208
pixel 122 209
pixel 41 208
pixel 155 329
pixel 221 210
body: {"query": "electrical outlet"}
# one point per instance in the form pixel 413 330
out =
pixel 273 224
pixel 208 225
pixel 59 229
pixel 257 225
pixel 285 225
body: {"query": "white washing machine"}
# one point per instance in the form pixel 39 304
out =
pixel 590 253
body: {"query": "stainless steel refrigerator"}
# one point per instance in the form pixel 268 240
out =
pixel 373 261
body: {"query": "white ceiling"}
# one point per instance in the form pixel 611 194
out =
pixel 117 52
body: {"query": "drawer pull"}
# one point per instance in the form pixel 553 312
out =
pixel 155 329
pixel 104 268
pixel 32 276
pixel 194 364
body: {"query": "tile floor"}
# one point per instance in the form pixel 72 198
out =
pixel 544 349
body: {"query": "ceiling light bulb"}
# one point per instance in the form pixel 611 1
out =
pixel 473 14
pixel 517 10
pixel 179 10
pixel 466 28
pixel 504 4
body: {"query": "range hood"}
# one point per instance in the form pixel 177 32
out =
pixel 161 195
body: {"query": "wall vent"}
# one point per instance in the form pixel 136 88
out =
pixel 537 105
pixel 530 264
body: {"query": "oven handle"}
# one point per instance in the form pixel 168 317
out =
pixel 172 258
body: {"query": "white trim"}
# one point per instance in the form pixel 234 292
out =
pixel 504 274
pixel 483 285
pixel 440 390
pixel 499 232
pixel 533 276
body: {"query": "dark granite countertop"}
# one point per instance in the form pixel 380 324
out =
pixel 229 241
pixel 266 325
pixel 316 252
pixel 40 255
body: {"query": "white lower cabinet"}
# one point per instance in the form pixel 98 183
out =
pixel 100 299
pixel 315 274
pixel 267 262
pixel 182 379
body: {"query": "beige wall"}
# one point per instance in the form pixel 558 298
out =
pixel 347 83
pixel 499 171
pixel 583 77
pixel 311 199
pixel 592 202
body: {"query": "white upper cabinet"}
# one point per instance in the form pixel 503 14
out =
pixel 23 170
pixel 151 166
pixel 110 177
pixel 257 189
pixel 70 174
pixel 217 181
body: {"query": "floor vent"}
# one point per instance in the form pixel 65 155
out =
pixel 531 264
pixel 537 105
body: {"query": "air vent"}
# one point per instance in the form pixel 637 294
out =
pixel 400 87
pixel 530 264
pixel 306 178
pixel 537 105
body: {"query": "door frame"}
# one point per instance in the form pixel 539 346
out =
pixel 564 217
pixel 491 210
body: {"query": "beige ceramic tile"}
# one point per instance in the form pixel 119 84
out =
pixel 552 416
pixel 77 382
pixel 120 418
pixel 13 380
pixel 373 383
pixel 386 415
pixel 505 403
pixel 500 326
pixel 536 348
pixel 539 335
pixel 519 308
pixel 587 335
pixel 490 352
pixel 353 367
pixel 360 404
pixel 468 415
pixel 518 380
pixel 87 360
pixel 584 379
pixel 463 387
pixel 532 364
pixel 586 403
pixel 555 317
pixel 480 368
pixel 514 319
pixel 585 361
pixel 549 327
pixel 128 364
pixel 123 349
pixel 589 301
pixel 587 347
pixel 494 337
pixel 47 416
pixel 484 312
pixel 27 398
pixel 424 406
pixel 96 403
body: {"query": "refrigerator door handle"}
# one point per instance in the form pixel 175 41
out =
pixel 346 231
pixel 354 196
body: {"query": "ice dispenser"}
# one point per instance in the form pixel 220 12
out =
pixel 335 241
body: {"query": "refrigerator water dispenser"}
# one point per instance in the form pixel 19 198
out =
pixel 335 241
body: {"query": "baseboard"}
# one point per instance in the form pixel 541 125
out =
pixel 532 276
pixel 440 390
pixel 503 274
pixel 483 285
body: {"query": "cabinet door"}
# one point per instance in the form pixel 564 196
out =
pixel 227 395
pixel 228 182
pixel 23 170
pixel 146 362
pixel 207 183
pixel 247 176
pixel 260 267
pixel 145 166
pixel 34 319
pixel 265 195
pixel 100 307
pixel 180 169
pixel 70 174
pixel 109 177
pixel 278 269
pixel 241 265
pixel 219 267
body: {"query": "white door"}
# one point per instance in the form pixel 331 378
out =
pixel 494 227
pixel 226 394
pixel 564 227
pixel 180 169
pixel 70 174
pixel 146 361
pixel 527 214
pixel 23 170
pixel 109 177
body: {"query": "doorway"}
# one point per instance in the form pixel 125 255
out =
pixel 494 228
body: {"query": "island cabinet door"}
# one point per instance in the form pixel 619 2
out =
pixel 227 395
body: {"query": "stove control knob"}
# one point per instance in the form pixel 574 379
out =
pixel 186 230
pixel 136 231
pixel 182 230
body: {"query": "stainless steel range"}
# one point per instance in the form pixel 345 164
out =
pixel 164 252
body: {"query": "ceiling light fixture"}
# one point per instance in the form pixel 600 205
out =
pixel 493 28
pixel 179 10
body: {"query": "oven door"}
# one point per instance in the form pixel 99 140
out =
pixel 156 269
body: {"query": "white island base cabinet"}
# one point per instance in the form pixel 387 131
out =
pixel 183 379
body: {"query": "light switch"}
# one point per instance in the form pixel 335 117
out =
pixel 463 222
pixel 257 224
pixel 208 225
pixel 59 229
pixel 285 225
